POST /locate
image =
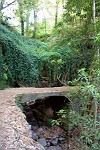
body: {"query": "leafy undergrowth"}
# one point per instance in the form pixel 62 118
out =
pixel 82 120
pixel 30 62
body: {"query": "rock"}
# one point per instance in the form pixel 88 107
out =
pixel 34 136
pixel 61 139
pixel 42 141
pixel 54 141
pixel 2 146
pixel 30 127
pixel 58 148
pixel 40 130
pixel 48 143
pixel 30 134
pixel 35 128
pixel 54 148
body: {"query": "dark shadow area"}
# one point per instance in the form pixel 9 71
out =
pixel 41 111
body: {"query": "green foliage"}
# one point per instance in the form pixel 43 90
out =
pixel 25 59
pixel 20 57
pixel 55 122
pixel 98 38
pixel 75 51
pixel 1 67
pixel 68 119
pixel 3 75
pixel 28 60
pixel 77 37
pixel 87 119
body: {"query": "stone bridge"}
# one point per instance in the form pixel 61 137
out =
pixel 14 129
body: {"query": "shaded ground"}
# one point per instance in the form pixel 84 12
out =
pixel 14 130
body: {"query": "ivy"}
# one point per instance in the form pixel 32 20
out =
pixel 28 60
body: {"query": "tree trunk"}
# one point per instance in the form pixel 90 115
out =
pixel 45 26
pixel 1 4
pixel 21 17
pixel 27 23
pixel 22 26
pixel 56 14
pixel 94 11
pixel 63 2
pixel 94 21
pixel 35 24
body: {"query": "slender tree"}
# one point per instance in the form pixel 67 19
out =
pixel 58 2
pixel 27 23
pixel 94 12
pixel 56 13
pixel 24 10
pixel 35 24
pixel 21 11
pixel 97 49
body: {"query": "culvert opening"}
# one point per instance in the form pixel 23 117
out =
pixel 41 111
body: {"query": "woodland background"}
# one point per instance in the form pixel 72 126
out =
pixel 46 43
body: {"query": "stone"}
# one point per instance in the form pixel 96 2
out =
pixel 48 143
pixel 35 128
pixel 34 136
pixel 40 130
pixel 54 141
pixel 2 146
pixel 58 148
pixel 42 141
pixel 30 127
pixel 54 148
pixel 61 139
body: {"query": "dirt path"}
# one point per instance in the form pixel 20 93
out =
pixel 14 130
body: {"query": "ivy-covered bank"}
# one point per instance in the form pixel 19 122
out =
pixel 30 62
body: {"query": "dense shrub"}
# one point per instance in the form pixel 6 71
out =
pixel 24 58
pixel 20 57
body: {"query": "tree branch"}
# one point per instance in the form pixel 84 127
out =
pixel 8 5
